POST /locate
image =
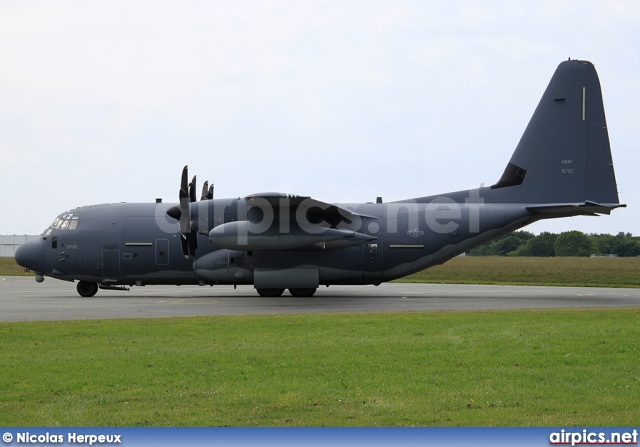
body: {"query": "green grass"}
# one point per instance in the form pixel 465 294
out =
pixel 498 368
pixel 558 271
pixel 9 267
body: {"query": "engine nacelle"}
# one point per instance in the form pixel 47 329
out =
pixel 245 236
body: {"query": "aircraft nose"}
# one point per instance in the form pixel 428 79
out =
pixel 31 255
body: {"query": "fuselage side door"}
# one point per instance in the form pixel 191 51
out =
pixel 162 251
pixel 111 264
pixel 372 258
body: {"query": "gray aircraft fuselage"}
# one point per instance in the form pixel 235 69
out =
pixel 562 167
pixel 136 243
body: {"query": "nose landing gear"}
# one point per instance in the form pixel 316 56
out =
pixel 87 289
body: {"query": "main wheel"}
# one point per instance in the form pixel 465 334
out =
pixel 302 292
pixel 87 289
pixel 270 293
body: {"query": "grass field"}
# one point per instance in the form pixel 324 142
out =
pixel 8 266
pixel 515 368
pixel 558 271
pixel 499 368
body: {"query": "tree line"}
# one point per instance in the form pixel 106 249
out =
pixel 569 243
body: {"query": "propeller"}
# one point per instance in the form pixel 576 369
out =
pixel 183 213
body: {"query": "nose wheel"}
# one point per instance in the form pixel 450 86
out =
pixel 87 289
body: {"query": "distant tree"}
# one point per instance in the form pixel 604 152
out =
pixel 504 246
pixel 522 235
pixel 574 243
pixel 622 244
pixel 482 250
pixel 625 245
pixel 541 245
pixel 605 242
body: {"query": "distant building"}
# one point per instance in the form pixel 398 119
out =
pixel 9 244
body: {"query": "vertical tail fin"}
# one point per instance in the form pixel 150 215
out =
pixel 564 155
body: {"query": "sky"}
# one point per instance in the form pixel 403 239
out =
pixel 342 101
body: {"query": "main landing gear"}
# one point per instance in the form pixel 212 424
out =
pixel 273 293
pixel 302 292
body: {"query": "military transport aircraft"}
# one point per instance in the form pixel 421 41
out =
pixel 561 167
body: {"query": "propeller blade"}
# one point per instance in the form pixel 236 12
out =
pixel 185 214
pixel 192 190
pixel 182 212
pixel 193 243
pixel 205 188
pixel 184 183
pixel 185 246
pixel 185 217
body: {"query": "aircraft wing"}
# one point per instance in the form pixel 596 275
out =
pixel 315 210
pixel 292 223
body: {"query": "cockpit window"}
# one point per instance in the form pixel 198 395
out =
pixel 63 222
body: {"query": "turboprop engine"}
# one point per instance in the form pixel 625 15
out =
pixel 248 236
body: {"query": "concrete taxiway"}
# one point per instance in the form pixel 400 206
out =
pixel 22 299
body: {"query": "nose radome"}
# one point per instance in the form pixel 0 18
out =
pixel 31 255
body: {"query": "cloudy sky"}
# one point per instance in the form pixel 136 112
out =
pixel 340 100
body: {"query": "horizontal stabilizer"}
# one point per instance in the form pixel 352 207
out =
pixel 587 208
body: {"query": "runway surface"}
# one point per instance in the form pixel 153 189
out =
pixel 22 299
